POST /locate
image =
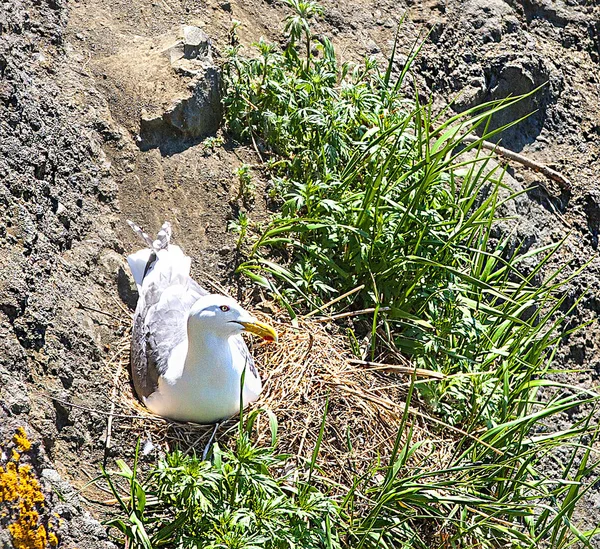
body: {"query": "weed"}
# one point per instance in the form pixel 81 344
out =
pixel 247 187
pixel 234 501
pixel 240 226
pixel 492 492
pixel 211 143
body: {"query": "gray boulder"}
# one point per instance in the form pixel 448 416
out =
pixel 198 113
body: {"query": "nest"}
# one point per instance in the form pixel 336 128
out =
pixel 310 379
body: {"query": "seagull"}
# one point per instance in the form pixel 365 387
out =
pixel 188 357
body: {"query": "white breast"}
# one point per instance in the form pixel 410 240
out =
pixel 205 386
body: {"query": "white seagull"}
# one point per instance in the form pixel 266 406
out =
pixel 187 352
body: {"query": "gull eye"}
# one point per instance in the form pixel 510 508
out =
pixel 224 308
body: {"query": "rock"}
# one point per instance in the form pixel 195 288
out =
pixel 189 118
pixel 192 117
pixel 487 18
pixel 17 400
pixel 372 47
pixel 110 262
pixel 127 288
pixel 196 43
pixel 197 113
pixel 490 50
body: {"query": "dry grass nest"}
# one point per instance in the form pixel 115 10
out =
pixel 309 369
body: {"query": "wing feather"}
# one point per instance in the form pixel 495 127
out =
pixel 167 294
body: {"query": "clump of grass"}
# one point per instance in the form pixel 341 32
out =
pixel 379 194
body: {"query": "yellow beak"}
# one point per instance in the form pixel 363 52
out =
pixel 260 329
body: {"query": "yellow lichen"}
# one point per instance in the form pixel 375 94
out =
pixel 9 482
pixel 20 488
pixel 25 537
pixel 21 440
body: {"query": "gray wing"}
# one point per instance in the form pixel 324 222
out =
pixel 160 324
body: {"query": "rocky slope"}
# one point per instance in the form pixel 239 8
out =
pixel 77 79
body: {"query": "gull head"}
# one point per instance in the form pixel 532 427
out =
pixel 226 317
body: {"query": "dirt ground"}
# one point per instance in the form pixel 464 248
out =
pixel 75 79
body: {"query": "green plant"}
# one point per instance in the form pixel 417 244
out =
pixel 234 501
pixel 247 187
pixel 490 490
pixel 376 192
pixel 240 226
pixel 211 143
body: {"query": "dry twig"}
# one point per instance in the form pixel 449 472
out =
pixel 563 182
pixel 396 368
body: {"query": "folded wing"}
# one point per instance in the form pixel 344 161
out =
pixel 166 295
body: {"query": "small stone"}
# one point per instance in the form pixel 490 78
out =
pixel 19 403
pixel 6 91
pixel 372 47
pixel 39 57
pixel 196 43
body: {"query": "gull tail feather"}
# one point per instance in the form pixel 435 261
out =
pixel 163 238
pixel 140 232
pixel 142 261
